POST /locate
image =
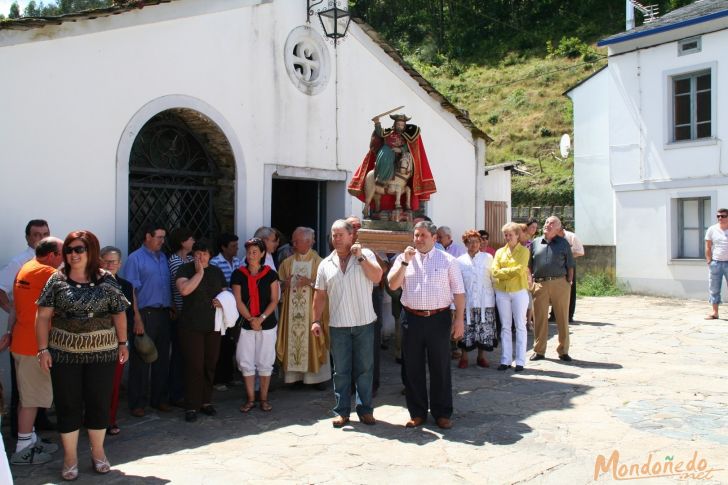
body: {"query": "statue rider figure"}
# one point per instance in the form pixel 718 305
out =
pixel 393 147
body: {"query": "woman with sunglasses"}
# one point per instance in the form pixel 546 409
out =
pixel 81 349
pixel 257 292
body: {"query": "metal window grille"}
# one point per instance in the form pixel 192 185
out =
pixel 171 180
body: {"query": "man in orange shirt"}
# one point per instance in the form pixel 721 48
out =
pixel 34 385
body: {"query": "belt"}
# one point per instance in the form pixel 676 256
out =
pixel 549 278
pixel 427 313
pixel 83 316
pixel 154 309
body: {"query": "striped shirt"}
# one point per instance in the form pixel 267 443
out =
pixel 174 263
pixel 350 293
pixel 225 266
pixel 430 280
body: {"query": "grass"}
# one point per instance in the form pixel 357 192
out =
pixel 519 102
pixel 600 284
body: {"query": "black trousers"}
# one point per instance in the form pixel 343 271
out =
pixel 377 301
pixel 572 297
pixel 426 340
pixel 226 367
pixel 199 352
pixel 82 395
pixel 176 364
pixel 156 326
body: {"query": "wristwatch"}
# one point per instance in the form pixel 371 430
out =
pixel 263 316
pixel 361 258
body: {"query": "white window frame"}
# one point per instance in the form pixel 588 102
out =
pixel 681 51
pixel 675 224
pixel 669 77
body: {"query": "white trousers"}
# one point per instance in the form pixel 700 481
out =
pixel 256 351
pixel 512 309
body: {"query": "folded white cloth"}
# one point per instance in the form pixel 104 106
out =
pixel 226 316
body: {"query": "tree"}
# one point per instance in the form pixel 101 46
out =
pixel 14 12
pixel 32 10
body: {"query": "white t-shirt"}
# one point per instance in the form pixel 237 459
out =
pixel 7 274
pixel 719 237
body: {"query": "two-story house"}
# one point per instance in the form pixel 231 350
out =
pixel 650 163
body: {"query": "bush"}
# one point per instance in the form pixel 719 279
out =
pixel 518 98
pixel 572 48
pixel 597 285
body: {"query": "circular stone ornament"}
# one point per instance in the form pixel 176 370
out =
pixel 307 61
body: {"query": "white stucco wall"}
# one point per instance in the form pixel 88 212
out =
pixel 224 58
pixel 640 114
pixel 645 262
pixel 498 187
pixel 593 194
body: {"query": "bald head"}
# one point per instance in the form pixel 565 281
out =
pixel 355 224
pixel 551 227
pixel 48 251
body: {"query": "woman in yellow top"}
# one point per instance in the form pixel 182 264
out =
pixel 510 272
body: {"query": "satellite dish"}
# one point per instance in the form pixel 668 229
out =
pixel 565 145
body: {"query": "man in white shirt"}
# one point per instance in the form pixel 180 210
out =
pixel 716 255
pixel 346 277
pixel 454 249
pixel 35 230
pixel 577 250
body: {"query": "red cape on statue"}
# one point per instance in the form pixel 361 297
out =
pixel 421 183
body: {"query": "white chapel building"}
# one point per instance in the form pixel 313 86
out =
pixel 218 115
pixel 222 115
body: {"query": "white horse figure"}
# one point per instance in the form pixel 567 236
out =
pixel 396 186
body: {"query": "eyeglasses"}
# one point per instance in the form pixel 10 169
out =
pixel 111 262
pixel 721 216
pixel 74 249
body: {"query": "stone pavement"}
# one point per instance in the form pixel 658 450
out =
pixel 648 380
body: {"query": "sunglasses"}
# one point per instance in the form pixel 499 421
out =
pixel 74 249
pixel 721 216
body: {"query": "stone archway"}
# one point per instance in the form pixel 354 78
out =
pixel 173 157
pixel 181 174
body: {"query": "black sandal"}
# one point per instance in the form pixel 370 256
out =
pixel 247 406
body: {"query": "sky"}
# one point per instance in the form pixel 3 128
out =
pixel 5 5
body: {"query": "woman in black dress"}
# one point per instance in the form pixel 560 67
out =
pixel 81 349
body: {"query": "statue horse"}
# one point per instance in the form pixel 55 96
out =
pixel 396 186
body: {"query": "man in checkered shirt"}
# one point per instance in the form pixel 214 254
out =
pixel 430 280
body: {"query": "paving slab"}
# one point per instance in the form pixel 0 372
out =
pixel 648 381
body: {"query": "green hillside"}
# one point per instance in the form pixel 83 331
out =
pixel 520 104
pixel 507 63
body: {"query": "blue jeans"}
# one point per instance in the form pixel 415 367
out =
pixel 718 271
pixel 352 352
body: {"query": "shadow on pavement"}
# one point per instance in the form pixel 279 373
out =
pixel 489 407
pixel 593 324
